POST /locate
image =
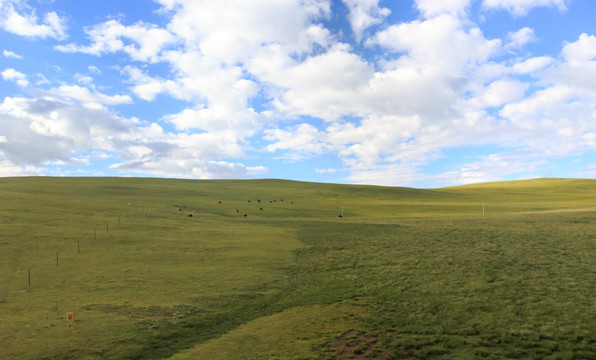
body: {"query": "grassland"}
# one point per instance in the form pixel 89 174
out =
pixel 404 274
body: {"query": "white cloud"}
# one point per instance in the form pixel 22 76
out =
pixel 495 167
pixel 192 169
pixel 532 65
pixel 209 47
pixel 216 118
pixel 266 68
pixel 83 95
pixel 378 139
pixel 578 68
pixel 15 76
pixel 54 129
pixel 184 155
pixel 523 7
pixel 363 14
pixel 501 92
pixel 582 50
pixel 431 8
pixel 404 112
pixel 385 174
pixel 146 87
pixel 10 54
pixel 520 38
pixel 326 171
pixel 61 129
pixel 27 23
pixel 579 76
pixel 141 41
pixel 7 168
pixel 324 86
pixel 553 121
pixel 83 79
pixel 441 41
pixel 300 139
pixel 232 31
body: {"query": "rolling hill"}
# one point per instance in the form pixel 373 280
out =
pixel 263 269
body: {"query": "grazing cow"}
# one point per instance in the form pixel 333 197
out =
pixel 219 202
pixel 237 210
pixel 245 215
pixel 258 200
pixel 248 200
pixel 189 215
pixel 260 208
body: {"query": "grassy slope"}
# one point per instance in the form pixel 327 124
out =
pixel 413 273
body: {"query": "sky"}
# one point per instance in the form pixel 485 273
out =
pixel 419 93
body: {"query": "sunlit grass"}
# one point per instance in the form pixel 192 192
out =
pixel 405 273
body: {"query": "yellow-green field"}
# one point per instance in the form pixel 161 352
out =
pixel 497 270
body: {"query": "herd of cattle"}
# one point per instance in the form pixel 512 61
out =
pixel 238 211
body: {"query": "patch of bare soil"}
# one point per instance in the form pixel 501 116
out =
pixel 355 345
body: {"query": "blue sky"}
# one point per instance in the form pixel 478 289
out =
pixel 422 93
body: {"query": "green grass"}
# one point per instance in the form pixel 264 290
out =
pixel 406 273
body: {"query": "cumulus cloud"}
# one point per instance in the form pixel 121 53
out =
pixel 579 65
pixel 15 76
pixel 232 31
pixel 301 140
pixel 141 41
pixel 61 128
pixel 442 41
pixel 325 86
pixel 208 47
pixel 582 50
pixel 48 129
pixel 555 122
pixel 275 77
pixel 382 121
pixel 363 14
pixel 501 92
pixel 520 38
pixel 16 17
